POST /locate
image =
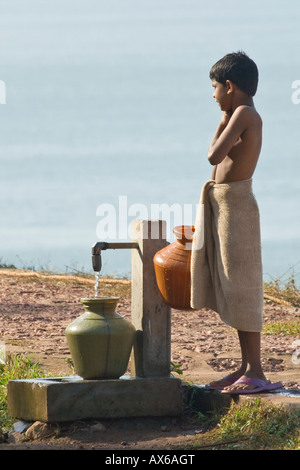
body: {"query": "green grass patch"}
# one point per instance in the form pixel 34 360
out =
pixel 264 426
pixel 16 367
pixel 287 328
pixel 254 426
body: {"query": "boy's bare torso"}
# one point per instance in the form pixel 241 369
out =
pixel 240 161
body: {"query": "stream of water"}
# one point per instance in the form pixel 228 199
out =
pixel 97 274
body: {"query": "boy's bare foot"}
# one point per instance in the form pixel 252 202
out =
pixel 241 385
pixel 225 382
pixel 246 385
pixel 249 383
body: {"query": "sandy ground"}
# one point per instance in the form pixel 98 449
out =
pixel 35 310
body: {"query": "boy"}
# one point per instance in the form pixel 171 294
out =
pixel 226 269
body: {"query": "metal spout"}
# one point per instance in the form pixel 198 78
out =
pixel 99 246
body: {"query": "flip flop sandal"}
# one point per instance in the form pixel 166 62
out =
pixel 260 386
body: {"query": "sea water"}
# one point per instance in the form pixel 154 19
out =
pixel 112 99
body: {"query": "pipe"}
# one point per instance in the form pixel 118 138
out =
pixel 100 246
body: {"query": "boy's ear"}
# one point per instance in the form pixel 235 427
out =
pixel 230 86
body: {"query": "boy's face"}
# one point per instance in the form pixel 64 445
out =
pixel 221 95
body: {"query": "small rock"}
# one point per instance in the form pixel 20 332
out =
pixel 191 432
pixel 97 427
pixel 21 426
pixel 164 428
pixel 40 430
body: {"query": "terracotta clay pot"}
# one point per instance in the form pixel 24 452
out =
pixel 100 340
pixel 172 269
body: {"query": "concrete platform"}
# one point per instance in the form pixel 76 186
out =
pixel 61 399
pixel 288 399
pixel 58 399
pixel 205 400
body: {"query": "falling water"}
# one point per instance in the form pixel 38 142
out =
pixel 97 274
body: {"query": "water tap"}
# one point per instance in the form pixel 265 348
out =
pixel 99 246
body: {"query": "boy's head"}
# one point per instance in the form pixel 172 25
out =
pixel 238 68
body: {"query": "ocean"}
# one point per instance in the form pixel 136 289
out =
pixel 108 115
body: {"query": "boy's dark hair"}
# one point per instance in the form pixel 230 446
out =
pixel 239 69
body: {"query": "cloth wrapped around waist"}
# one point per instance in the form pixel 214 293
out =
pixel 226 267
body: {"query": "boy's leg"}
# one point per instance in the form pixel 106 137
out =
pixel 250 348
pixel 231 378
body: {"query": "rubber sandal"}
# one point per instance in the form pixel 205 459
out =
pixel 260 386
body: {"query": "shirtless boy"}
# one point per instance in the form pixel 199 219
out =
pixel 234 152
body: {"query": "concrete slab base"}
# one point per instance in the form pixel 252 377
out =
pixel 288 399
pixel 204 400
pixel 59 399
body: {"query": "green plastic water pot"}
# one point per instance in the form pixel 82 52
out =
pixel 100 340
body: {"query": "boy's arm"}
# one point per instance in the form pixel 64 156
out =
pixel 213 175
pixel 228 132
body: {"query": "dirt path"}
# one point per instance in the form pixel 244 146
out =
pixel 35 310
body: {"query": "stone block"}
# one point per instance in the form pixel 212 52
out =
pixel 60 399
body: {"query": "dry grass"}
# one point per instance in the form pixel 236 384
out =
pixel 283 292
pixel 109 287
